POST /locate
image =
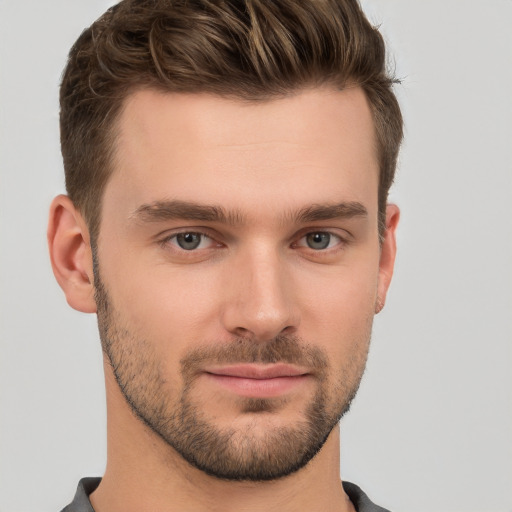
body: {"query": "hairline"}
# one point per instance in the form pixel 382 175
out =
pixel 113 135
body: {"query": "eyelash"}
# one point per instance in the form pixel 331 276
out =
pixel 339 245
pixel 340 241
pixel 167 240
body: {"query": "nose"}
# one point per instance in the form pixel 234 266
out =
pixel 260 303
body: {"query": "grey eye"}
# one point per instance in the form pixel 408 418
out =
pixel 189 241
pixel 318 241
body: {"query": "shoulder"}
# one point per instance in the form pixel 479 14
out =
pixel 361 501
pixel 81 502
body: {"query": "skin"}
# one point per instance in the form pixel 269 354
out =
pixel 254 277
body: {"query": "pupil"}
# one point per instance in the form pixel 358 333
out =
pixel 188 241
pixel 318 240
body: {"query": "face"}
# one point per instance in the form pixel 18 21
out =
pixel 237 272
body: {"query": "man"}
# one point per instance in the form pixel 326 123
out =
pixel 227 167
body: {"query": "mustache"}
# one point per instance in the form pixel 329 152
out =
pixel 281 349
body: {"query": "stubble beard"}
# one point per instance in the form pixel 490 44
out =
pixel 243 454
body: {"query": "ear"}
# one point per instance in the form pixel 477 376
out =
pixel 387 255
pixel 71 255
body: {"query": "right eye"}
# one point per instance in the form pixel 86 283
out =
pixel 190 240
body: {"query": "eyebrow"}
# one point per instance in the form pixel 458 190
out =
pixel 344 210
pixel 170 210
pixel 159 211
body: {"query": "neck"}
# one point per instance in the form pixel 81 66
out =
pixel 145 473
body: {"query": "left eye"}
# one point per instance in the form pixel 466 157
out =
pixel 189 241
pixel 319 240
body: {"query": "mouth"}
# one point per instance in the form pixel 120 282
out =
pixel 258 381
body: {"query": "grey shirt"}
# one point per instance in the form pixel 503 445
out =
pixel 86 486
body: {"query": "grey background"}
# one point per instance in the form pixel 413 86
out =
pixel 431 429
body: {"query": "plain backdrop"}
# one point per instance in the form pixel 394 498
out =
pixel 431 428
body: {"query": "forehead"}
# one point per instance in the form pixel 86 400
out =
pixel 300 149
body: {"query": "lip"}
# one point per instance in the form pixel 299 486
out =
pixel 258 381
pixel 258 371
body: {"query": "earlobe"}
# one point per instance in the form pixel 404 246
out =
pixel 387 256
pixel 71 255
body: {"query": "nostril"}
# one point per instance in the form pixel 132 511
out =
pixel 289 329
pixel 262 333
pixel 242 332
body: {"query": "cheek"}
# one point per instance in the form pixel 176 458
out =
pixel 339 314
pixel 165 306
pixel 344 297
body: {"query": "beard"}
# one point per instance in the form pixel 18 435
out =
pixel 240 453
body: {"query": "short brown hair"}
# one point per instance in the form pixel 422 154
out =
pixel 248 49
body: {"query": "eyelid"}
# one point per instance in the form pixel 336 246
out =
pixel 340 241
pixel 164 239
pixel 342 234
